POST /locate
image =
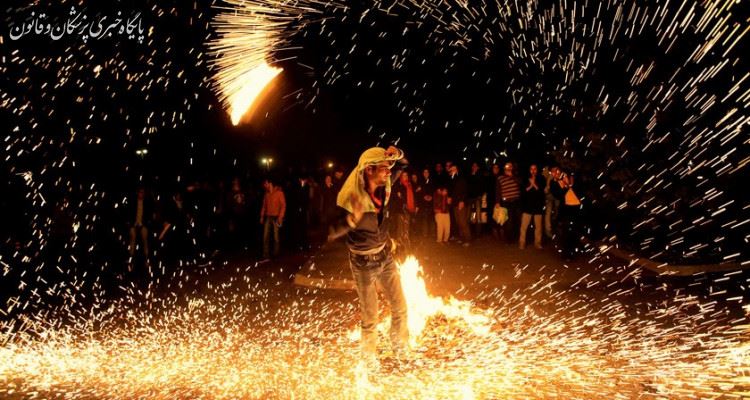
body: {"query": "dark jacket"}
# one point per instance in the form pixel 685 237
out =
pixel 370 233
pixel 532 200
pixel 425 189
pixel 476 185
pixel 458 189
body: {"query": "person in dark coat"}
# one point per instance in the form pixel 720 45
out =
pixel 532 205
pixel 459 193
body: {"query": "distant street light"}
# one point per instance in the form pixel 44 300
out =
pixel 267 162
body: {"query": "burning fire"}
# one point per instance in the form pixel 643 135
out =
pixel 421 306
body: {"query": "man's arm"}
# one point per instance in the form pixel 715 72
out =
pixel 348 221
pixel 341 226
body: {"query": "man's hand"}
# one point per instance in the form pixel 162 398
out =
pixel 532 184
pixel 460 205
pixel 261 220
pixel 392 151
pixel 279 220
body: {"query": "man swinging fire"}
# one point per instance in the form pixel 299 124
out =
pixel 365 196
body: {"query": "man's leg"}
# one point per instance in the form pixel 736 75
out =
pixel 368 308
pixel 266 237
pixel 131 245
pixel 538 231
pixel 390 280
pixel 525 221
pixel 478 210
pixel 447 232
pixel 144 239
pixel 440 223
pixel 466 230
pixel 276 242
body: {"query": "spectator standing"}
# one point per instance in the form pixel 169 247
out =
pixel 459 196
pixel 403 207
pixel 552 204
pixel 570 205
pixel 441 208
pixel 328 208
pixel 532 205
pixel 299 204
pixel 175 233
pixel 140 214
pixel 271 217
pixel 508 194
pixel 237 203
pixel 425 215
pixel 476 192
pixel 492 197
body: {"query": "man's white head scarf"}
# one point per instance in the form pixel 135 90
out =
pixel 355 183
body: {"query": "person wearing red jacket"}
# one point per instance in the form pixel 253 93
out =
pixel 272 217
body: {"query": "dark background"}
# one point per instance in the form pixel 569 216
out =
pixel 438 92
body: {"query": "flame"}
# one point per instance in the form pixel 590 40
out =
pixel 421 305
pixel 249 86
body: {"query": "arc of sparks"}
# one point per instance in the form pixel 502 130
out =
pixel 248 89
pixel 247 35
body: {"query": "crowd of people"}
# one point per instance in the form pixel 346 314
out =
pixel 289 213
pixel 445 203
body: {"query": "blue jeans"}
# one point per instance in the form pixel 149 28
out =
pixel 367 271
pixel 269 227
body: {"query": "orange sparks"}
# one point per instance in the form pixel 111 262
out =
pixel 248 89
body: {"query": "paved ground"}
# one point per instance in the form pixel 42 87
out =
pixel 490 265
pixel 449 267
pixel 302 305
